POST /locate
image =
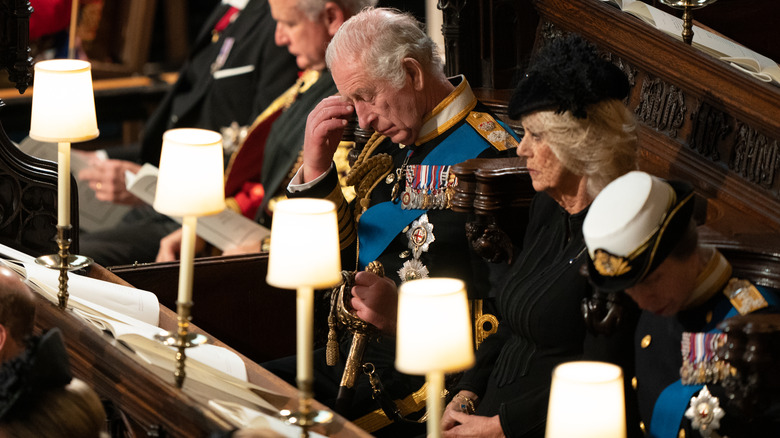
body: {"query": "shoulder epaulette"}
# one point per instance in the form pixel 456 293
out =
pixel 744 296
pixel 491 130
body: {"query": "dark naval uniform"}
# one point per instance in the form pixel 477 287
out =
pixel 401 218
pixel 675 358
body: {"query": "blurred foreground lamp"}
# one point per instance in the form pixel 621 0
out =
pixel 586 401
pixel 63 111
pixel 687 6
pixel 434 337
pixel 190 184
pixel 304 255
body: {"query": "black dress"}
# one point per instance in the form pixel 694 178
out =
pixel 540 325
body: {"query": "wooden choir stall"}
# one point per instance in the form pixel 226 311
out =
pixel 700 120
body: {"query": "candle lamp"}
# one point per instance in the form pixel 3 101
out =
pixel 63 111
pixel 304 255
pixel 433 337
pixel 587 401
pixel 190 183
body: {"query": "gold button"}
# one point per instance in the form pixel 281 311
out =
pixel 646 341
pixel 633 382
pixel 642 427
pixel 681 434
pixel 708 318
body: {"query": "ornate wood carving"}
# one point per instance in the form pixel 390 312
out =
pixel 755 156
pixel 497 192
pixel 15 41
pixel 662 106
pixel 709 127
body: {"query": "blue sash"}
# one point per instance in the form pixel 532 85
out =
pixel 672 403
pixel 379 225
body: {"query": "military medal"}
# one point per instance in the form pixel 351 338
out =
pixel 700 361
pixel 412 270
pixel 705 413
pixel 420 236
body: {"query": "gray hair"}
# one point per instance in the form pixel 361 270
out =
pixel 313 8
pixel 601 147
pixel 379 39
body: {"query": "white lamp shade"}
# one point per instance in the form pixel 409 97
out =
pixel 434 329
pixel 191 178
pixel 587 400
pixel 304 245
pixel 63 103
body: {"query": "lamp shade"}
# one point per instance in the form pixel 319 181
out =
pixel 304 245
pixel 191 178
pixel 587 401
pixel 63 104
pixel 434 329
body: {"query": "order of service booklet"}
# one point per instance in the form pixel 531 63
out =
pixel 223 230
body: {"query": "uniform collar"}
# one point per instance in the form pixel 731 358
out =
pixel 711 280
pixel 449 111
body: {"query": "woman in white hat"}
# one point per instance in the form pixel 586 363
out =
pixel 579 136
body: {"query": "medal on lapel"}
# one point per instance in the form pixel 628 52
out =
pixel 420 236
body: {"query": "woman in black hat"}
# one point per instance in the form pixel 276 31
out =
pixel 579 136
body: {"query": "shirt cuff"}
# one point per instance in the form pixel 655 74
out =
pixel 297 184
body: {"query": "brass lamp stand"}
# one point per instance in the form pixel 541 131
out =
pixel 64 262
pixel 687 6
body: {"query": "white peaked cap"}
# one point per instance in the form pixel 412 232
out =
pixel 627 213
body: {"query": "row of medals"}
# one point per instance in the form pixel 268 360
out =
pixel 710 369
pixel 426 195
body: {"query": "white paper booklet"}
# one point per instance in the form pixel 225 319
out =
pixel 738 56
pixel 132 317
pixel 223 230
pixel 94 215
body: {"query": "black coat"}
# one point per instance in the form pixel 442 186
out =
pixel 199 100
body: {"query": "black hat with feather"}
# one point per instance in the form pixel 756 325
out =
pixel 567 75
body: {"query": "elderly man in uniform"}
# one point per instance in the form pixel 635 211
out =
pixel 641 239
pixel 388 73
pixel 17 314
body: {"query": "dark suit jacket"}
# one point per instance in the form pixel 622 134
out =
pixel 255 71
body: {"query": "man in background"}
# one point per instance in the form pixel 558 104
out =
pixel 260 169
pixel 234 71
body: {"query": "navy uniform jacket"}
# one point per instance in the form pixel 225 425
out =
pixel 659 360
pixel 252 75
pixel 448 254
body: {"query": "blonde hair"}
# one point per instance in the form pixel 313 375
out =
pixel 72 411
pixel 600 147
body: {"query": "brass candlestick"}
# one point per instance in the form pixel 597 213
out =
pixel 687 6
pixel 181 339
pixel 64 262
pixel 305 417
